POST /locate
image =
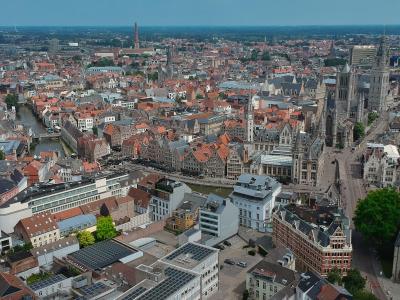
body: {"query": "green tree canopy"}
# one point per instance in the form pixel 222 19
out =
pixel 103 62
pixel 372 116
pixel 95 130
pixel 364 295
pixel 359 131
pixel 2 155
pixel 105 228
pixel 11 100
pixel 377 217
pixel 265 56
pixel 85 238
pixel 334 276
pixel 333 62
pixel 353 281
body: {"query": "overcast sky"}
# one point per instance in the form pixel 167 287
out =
pixel 199 12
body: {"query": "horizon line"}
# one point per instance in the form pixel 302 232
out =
pixel 182 25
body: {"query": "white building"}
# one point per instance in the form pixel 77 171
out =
pixel 380 165
pixel 255 197
pixel 60 197
pixel 169 195
pixel 188 273
pixel 200 259
pixel 53 286
pixel 218 220
pixel 266 279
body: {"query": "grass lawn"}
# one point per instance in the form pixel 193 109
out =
pixel 205 189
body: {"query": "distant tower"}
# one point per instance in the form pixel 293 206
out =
pixel 332 52
pixel 345 91
pixel 379 82
pixel 170 58
pixel 249 118
pixel 136 37
pixel 54 46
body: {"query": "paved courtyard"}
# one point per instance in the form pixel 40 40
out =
pixel 232 278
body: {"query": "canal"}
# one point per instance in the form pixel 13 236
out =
pixel 26 117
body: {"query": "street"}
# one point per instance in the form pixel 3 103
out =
pixel 352 190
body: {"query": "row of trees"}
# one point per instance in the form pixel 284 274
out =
pixel 105 230
pixel 353 282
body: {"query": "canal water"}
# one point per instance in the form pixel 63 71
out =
pixel 26 116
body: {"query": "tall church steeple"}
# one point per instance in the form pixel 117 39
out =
pixel 249 118
pixel 379 82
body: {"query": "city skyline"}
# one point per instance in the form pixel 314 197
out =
pixel 204 13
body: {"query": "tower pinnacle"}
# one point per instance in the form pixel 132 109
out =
pixel 136 37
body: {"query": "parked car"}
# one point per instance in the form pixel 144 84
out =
pixel 227 243
pixel 242 264
pixel 220 247
pixel 229 261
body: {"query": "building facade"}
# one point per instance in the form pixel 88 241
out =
pixel 319 243
pixel 254 195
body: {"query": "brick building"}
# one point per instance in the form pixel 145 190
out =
pixel 319 238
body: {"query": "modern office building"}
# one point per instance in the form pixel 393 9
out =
pixel 319 238
pixel 362 55
pixel 218 220
pixel 190 273
pixel 59 197
pixel 254 195
pixel 166 197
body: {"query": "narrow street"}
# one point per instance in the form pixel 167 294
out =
pixel 352 190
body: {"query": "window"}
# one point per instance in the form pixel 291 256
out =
pixel 257 283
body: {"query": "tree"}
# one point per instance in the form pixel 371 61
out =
pixel 364 295
pixel 377 217
pixel 11 100
pixel 95 130
pixel 372 116
pixel 359 131
pixel 105 228
pixel 254 55
pixel 152 76
pixel 265 56
pixel 2 155
pixel 334 276
pixel 85 238
pixel 353 281
pixel 333 62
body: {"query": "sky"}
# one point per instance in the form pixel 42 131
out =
pixel 198 12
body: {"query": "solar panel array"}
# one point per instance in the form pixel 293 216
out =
pixel 134 293
pixel 101 254
pixel 198 252
pixel 176 280
pixel 94 289
pixel 47 282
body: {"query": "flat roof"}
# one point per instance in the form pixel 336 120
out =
pixel 189 255
pixel 281 160
pixel 33 192
pixel 101 254
pixel 175 280
pixel 93 290
pixel 46 282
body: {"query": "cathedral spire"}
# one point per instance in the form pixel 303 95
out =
pixel 249 118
